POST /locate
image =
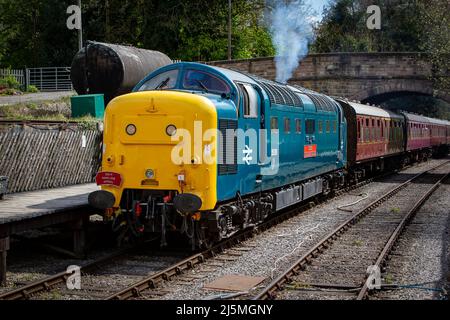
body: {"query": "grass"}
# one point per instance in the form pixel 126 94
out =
pixel 52 110
pixel 358 243
pixel 395 210
pixel 388 279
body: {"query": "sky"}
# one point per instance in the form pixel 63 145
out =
pixel 318 6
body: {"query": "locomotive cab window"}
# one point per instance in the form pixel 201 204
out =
pixel 249 100
pixel 164 81
pixel 203 81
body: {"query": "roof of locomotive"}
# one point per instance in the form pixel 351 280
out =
pixel 367 110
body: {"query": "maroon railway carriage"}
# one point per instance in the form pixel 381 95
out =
pixel 374 135
pixel 418 143
pixel 438 130
pixel 439 136
pixel 448 133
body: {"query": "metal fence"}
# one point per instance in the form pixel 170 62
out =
pixel 18 74
pixel 35 157
pixel 45 79
pixel 50 79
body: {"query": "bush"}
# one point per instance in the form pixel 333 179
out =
pixel 9 82
pixel 7 91
pixel 32 89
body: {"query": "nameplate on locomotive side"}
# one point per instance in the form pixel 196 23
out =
pixel 310 151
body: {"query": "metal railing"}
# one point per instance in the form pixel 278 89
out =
pixel 50 79
pixel 45 79
pixel 18 74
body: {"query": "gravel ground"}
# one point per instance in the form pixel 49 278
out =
pixel 423 253
pixel 276 249
pixel 113 277
pixel 346 261
pixel 34 97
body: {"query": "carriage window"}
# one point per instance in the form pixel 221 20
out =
pixel 310 126
pixel 334 126
pixel 164 81
pixel 298 125
pixel 320 126
pixel 328 127
pixel 359 130
pixel 203 81
pixel 287 125
pixel 274 123
pixel 367 122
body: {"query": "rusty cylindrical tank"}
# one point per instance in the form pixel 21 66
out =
pixel 112 69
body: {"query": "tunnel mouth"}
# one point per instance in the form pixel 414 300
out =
pixel 412 102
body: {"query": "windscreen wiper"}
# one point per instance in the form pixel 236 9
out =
pixel 202 85
pixel 162 84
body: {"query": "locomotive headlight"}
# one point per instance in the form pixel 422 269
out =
pixel 131 129
pixel 171 130
pixel 150 174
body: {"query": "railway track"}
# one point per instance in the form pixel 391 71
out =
pixel 228 250
pixel 36 122
pixel 48 284
pixel 93 274
pixel 336 267
pixel 157 278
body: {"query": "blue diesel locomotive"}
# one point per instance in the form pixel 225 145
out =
pixel 274 146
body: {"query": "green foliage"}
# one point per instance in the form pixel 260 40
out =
pixel 344 27
pixel 436 40
pixel 32 89
pixel 9 82
pixel 33 33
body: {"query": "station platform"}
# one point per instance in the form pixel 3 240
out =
pixel 25 211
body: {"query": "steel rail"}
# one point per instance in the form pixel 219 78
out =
pixel 152 281
pixel 46 284
pixel 325 243
pixel 397 233
pixel 37 122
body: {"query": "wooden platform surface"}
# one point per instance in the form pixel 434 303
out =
pixel 28 205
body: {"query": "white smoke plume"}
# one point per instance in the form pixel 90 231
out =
pixel 291 27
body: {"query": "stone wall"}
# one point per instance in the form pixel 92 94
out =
pixel 357 76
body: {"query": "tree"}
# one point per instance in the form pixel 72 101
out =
pixel 344 27
pixel 436 40
pixel 34 33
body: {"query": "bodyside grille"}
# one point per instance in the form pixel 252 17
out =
pixel 227 148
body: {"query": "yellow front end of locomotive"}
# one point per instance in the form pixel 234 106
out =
pixel 156 140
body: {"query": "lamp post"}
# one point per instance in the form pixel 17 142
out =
pixel 229 29
pixel 80 30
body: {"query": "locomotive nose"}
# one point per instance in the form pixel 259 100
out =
pixel 101 199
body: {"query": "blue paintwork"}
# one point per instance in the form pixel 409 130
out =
pixel 293 167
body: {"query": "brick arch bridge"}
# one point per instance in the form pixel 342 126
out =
pixel 369 77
